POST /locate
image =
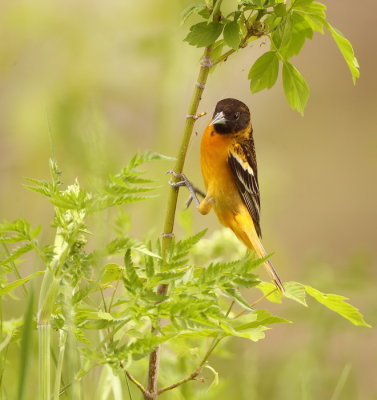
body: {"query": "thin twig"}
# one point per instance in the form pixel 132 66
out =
pixel 194 375
pixel 224 56
pixel 113 295
pixel 191 377
pixel 134 381
pixel 256 302
pixel 128 389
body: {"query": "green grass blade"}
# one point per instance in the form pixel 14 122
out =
pixel 26 347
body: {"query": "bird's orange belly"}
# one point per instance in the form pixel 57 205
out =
pixel 218 178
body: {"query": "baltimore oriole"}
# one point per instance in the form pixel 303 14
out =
pixel 229 169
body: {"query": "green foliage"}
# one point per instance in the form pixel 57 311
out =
pixel 286 25
pixel 264 72
pixel 346 49
pixel 204 34
pixel 297 292
pixel 8 288
pixel 337 303
pixel 295 88
pixel 232 35
pixel 107 305
pixel 102 298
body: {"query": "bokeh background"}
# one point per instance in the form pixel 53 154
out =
pixel 92 82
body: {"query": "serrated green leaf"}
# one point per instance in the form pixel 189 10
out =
pixel 141 248
pixel 16 253
pixel 295 291
pixel 264 72
pixel 39 186
pixel 235 294
pixel 346 49
pixel 191 9
pixel 203 34
pixel 147 156
pixel 180 249
pixel 149 262
pixel 338 304
pixel 232 35
pixel 6 289
pixel 111 272
pixel 295 87
pixel 142 347
pixel 133 281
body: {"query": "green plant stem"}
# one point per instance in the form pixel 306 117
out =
pixel 1 352
pixel 48 294
pixel 154 358
pixel 178 168
pixel 44 362
pixel 224 56
pixel 59 367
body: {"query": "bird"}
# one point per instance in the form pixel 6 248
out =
pixel 229 169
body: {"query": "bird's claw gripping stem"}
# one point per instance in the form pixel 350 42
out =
pixel 191 188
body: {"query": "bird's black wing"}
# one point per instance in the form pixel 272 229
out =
pixel 243 164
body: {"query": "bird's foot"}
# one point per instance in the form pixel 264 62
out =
pixel 194 191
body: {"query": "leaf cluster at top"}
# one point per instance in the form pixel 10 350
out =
pixel 287 25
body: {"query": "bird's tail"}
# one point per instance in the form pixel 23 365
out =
pixel 272 272
pixel 261 252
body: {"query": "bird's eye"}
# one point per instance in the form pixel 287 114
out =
pixel 236 115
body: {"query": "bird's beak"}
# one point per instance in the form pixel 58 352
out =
pixel 219 119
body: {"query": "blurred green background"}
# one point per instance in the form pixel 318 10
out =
pixel 91 82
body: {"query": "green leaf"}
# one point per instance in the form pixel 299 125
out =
pixel 295 291
pixel 337 303
pixel 17 253
pixel 180 249
pixel 6 289
pixel 314 12
pixel 254 334
pixel 232 35
pixel 300 31
pixel 282 34
pixel 112 272
pixel 346 49
pixel 258 318
pixel 280 10
pixel 237 296
pixel 295 87
pixel 191 9
pixel 139 159
pixel 141 248
pixel 133 281
pixel 264 72
pixel 203 34
pixel 269 288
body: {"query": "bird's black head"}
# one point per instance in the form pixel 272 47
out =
pixel 230 116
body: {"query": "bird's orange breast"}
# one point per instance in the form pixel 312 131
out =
pixel 218 177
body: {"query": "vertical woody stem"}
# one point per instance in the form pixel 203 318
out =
pixel 206 64
pixel 189 125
